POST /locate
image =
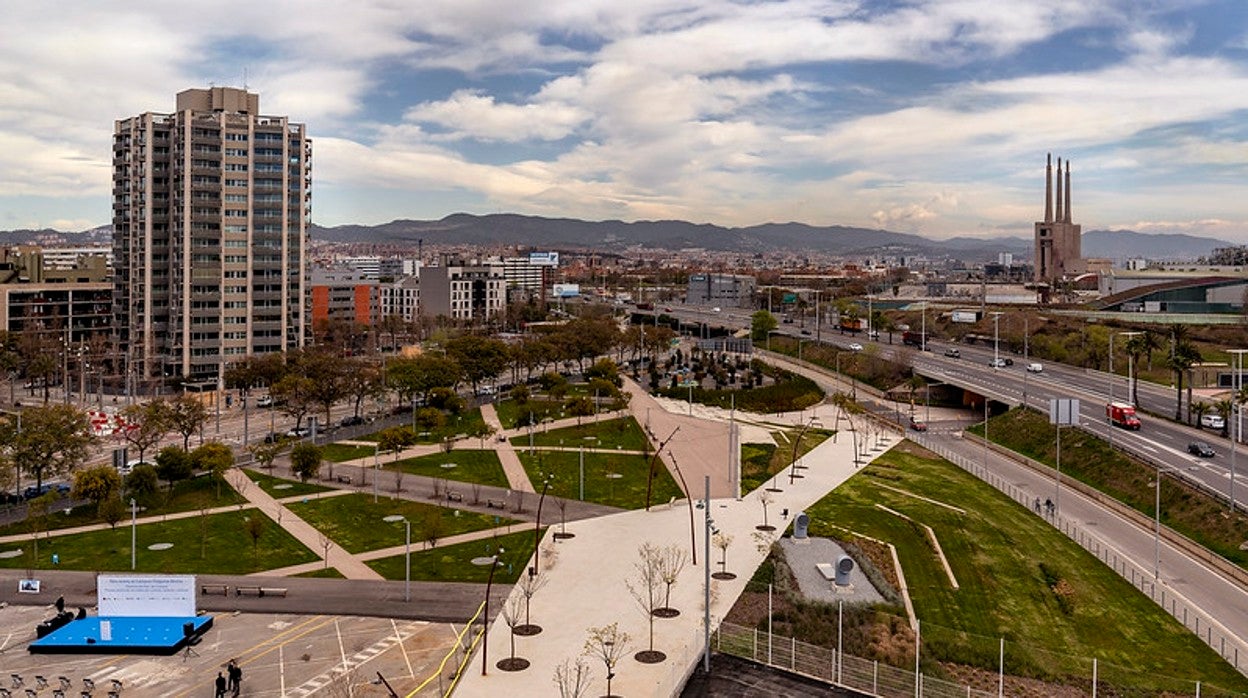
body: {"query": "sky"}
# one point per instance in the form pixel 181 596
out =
pixel 931 117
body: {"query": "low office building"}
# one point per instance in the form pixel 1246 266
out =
pixel 473 291
pixel 727 290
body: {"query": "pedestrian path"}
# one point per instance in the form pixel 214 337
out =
pixel 517 478
pixel 368 556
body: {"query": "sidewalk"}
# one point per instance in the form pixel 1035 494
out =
pixel 517 478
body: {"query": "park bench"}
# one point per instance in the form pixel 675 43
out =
pixel 247 591
pixel 222 589
pixel 495 504
pixel 344 479
pixel 454 496
pixel 273 591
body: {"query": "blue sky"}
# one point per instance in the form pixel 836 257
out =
pixel 930 117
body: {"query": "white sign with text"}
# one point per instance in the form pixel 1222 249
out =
pixel 163 595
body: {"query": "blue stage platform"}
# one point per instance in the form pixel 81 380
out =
pixel 130 635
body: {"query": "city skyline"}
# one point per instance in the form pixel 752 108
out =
pixel 932 118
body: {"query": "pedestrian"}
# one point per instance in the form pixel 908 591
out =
pixel 236 677
pixel 220 686
pixel 1036 506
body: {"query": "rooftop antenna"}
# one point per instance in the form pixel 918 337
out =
pixel 244 78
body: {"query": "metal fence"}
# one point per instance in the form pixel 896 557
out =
pixel 1229 646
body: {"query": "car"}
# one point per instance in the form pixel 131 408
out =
pixel 1212 421
pixel 788 321
pixel 806 332
pixel 714 310
pixel 855 346
pixel 1201 449
pixel 918 426
pixel 31 492
pixel 874 334
pixel 272 437
pixel 953 353
pixel 299 432
pixel 1035 368
pixel 265 401
pixel 997 363
pixel 351 420
pixel 667 309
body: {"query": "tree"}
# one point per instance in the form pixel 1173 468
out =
pixel 294 393
pixel 723 541
pixel 765 498
pixel 511 616
pixel 395 439
pixel 671 560
pixel 762 323
pixel 266 453
pixel 173 464
pixel 607 371
pixel 645 590
pixel 143 483
pixel 609 644
pixel 479 358
pixel 111 510
pixel 419 375
pixel 187 416
pixel 1199 410
pixel 431 526
pixel 1224 408
pixel 363 380
pixel 254 526
pixel 215 458
pixel 326 374
pixel 146 424
pixel 305 460
pixel 54 440
pixel 580 406
pixel 572 679
pixel 529 585
pixel 97 484
pixel 1183 355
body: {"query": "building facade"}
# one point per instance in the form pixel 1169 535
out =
pixel 731 290
pixel 1058 241
pixel 473 291
pixel 344 296
pixel 210 212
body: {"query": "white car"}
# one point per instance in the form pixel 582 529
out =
pixel 264 401
pixel 1212 421
pixel 1035 368
pixel 855 346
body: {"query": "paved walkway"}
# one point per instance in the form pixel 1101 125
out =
pixel 517 478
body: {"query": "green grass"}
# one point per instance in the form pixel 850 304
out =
pixel 355 522
pixel 340 453
pixel 464 423
pixel 622 433
pixel 472 465
pixel 761 461
pixel 227 547
pixel 1007 563
pixel 627 491
pixel 510 412
pixel 453 563
pixel 323 573
pixel 294 488
pixel 1090 460
pixel 188 495
pixel 790 392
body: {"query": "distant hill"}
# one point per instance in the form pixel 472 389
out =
pixel 1128 244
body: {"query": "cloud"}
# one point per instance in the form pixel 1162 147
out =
pixel 470 114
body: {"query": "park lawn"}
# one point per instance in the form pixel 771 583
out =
pixel 761 461
pixel 194 494
pixel 453 563
pixel 473 466
pixel 279 487
pixel 226 547
pixel 620 433
pixel 1007 563
pixel 340 453
pixel 356 523
pixel 510 412
pixel 469 422
pixel 1090 460
pixel 627 491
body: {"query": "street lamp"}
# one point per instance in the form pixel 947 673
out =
pixel 537 527
pixel 134 515
pixel 706 588
pixel 1157 522
pixel 793 466
pixel 376 467
pixel 407 553
pixel 485 618
pixel 996 338
pixel 1111 377
pixel 1237 383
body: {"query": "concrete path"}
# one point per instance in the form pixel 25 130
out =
pixel 344 562
pixel 586 576
pixel 700 447
pixel 517 478
pixel 417 546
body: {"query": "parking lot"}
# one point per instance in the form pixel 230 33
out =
pixel 280 655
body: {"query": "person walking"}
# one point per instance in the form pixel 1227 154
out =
pixel 236 677
pixel 220 685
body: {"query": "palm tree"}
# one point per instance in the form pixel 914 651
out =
pixel 1183 355
pixel 1149 343
pixel 1223 408
pixel 1200 409
pixel 1137 345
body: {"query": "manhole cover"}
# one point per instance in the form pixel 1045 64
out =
pixel 283 486
pixel 482 561
pixel 392 518
pixel 448 466
pixel 614 476
pixel 160 546
pixel 10 554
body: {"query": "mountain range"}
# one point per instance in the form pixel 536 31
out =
pixel 618 236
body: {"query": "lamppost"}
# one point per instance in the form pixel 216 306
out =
pixel 376 467
pixel 407 553
pixel 537 527
pixel 1157 522
pixel 1112 376
pixel 996 338
pixel 1237 414
pixel 134 516
pixel 923 332
pixel 485 618
pixel 796 443
pixel 706 588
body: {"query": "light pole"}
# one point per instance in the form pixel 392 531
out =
pixel 796 443
pixel 923 331
pixel 1112 376
pixel 996 339
pixel 1237 414
pixel 485 618
pixel 134 516
pixel 1157 522
pixel 706 589
pixel 376 467
pixel 537 527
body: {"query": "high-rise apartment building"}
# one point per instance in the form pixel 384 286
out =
pixel 210 213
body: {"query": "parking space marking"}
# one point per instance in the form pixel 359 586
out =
pixel 349 664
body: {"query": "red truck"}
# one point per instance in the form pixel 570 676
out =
pixel 1122 414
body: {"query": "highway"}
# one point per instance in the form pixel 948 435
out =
pixel 1160 442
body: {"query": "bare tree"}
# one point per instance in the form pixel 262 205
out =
pixel 398 480
pixel 519 501
pixel 476 493
pixel 722 541
pixel 572 679
pixel 609 644
pixel 766 500
pixel 561 503
pixel 671 560
pixel 511 616
pixel 326 542
pixel 529 584
pixel 646 589
pixel 431 526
